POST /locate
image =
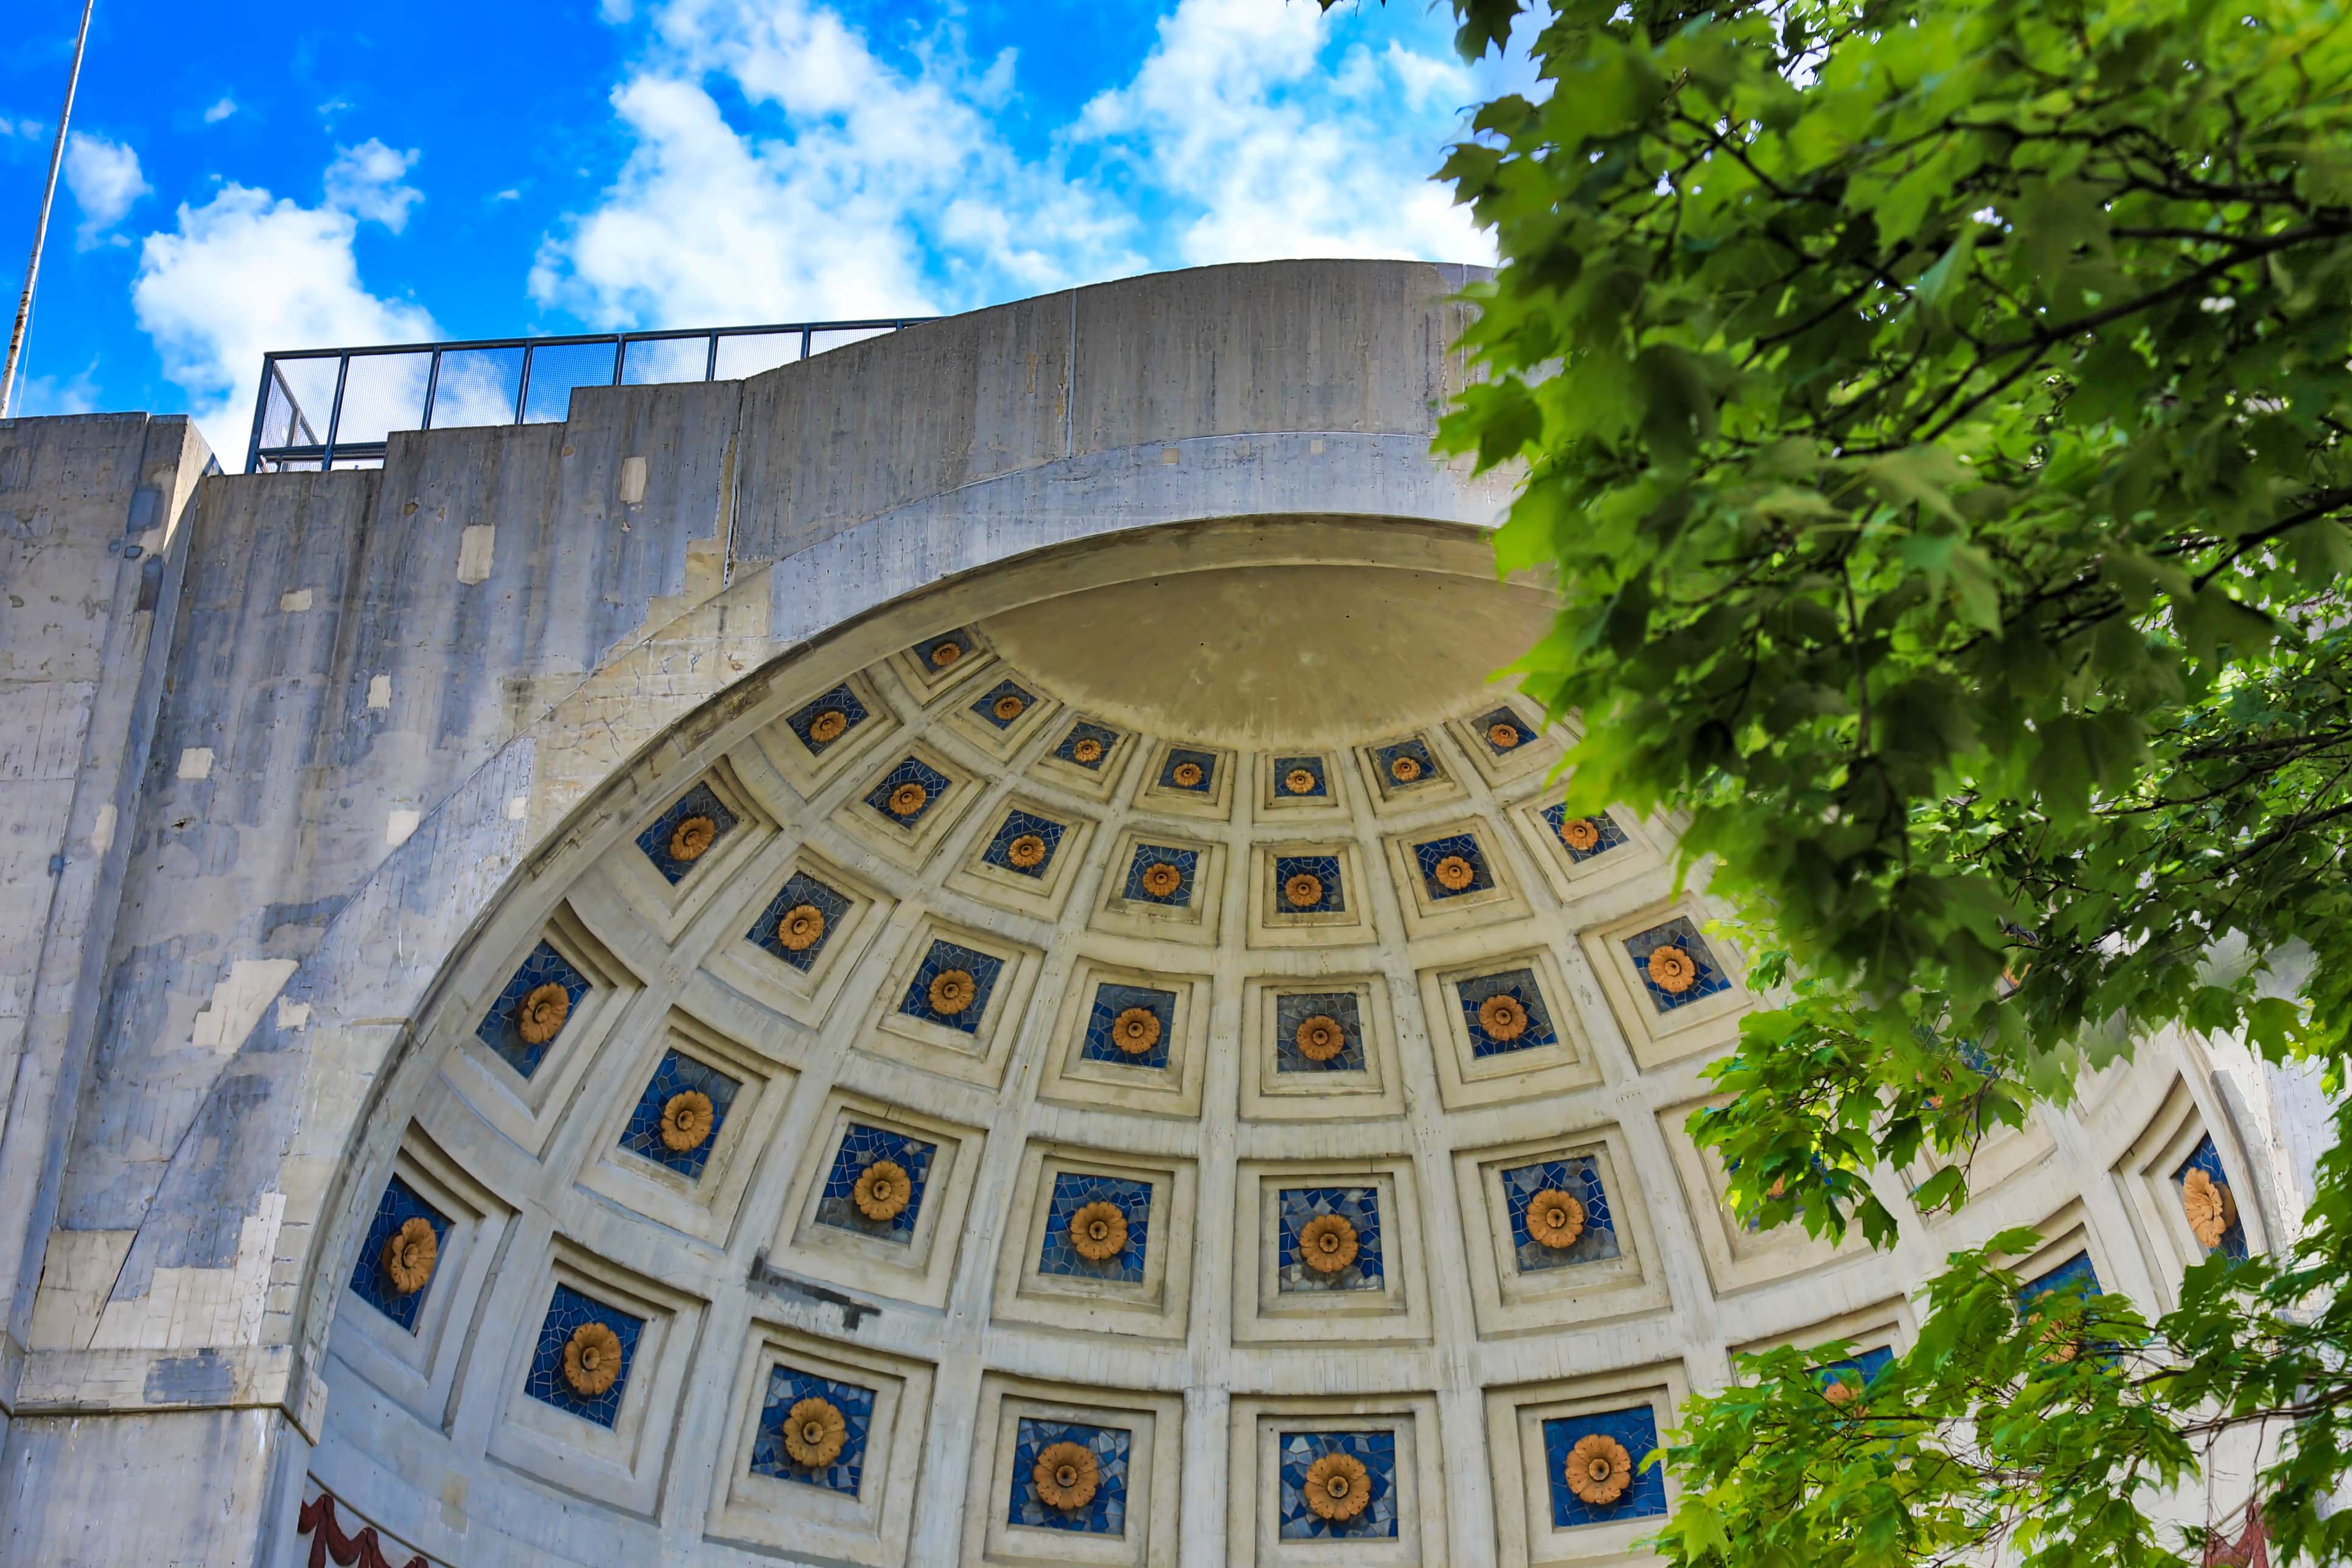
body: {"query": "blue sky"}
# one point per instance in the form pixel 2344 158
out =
pixel 275 179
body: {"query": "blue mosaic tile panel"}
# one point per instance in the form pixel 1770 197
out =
pixel 370 1283
pixel 1324 868
pixel 945 956
pixel 909 770
pixel 861 1146
pixel 1319 785
pixel 545 966
pixel 1178 759
pixel 1299 1206
pixel 545 1381
pixel 1074 1192
pixel 2205 1157
pixel 1105 1513
pixel 842 700
pixel 677 1073
pixel 798 889
pixel 1292 1009
pixel 2075 1274
pixel 1608 835
pixel 1426 858
pixel 1863 1369
pixel 1295 1453
pixel 1018 823
pixel 786 1388
pixel 1580 1178
pixel 1520 985
pixel 932 655
pixel 1110 1000
pixel 1491 726
pixel 1096 754
pixel 1637 1430
pixel 654 841
pixel 1003 704
pixel 1413 754
pixel 1186 861
pixel 1678 932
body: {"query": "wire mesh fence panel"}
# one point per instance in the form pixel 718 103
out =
pixel 477 386
pixel 749 353
pixel 662 361
pixel 382 393
pixel 841 338
pixel 556 369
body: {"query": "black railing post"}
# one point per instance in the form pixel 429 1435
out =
pixel 431 388
pixel 260 413
pixel 335 414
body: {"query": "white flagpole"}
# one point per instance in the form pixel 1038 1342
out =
pixel 41 229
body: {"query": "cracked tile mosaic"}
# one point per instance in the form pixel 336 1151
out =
pixel 1065 1252
pixel 942 653
pixel 1308 885
pixel 937 996
pixel 1093 1500
pixel 2207 1158
pixel 863 1147
pixel 1505 1013
pixel 1355 1243
pixel 1088 745
pixel 800 920
pixel 518 1026
pixel 2075 1274
pixel 1594 1228
pixel 681 836
pixel 1854 1369
pixel 1608 1482
pixel 1160 874
pixel 1301 778
pixel 1112 1028
pixel 1452 865
pixel 1003 704
pixel 1314 1466
pixel 801 1454
pixel 1502 730
pixel 823 723
pixel 1303 1050
pixel 908 793
pixel 1195 773
pixel 395 1281
pixel 1677 966
pixel 1024 844
pixel 1584 838
pixel 1406 764
pixel 679 1117
pixel 584 1373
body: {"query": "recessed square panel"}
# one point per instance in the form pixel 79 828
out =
pixel 1072 1475
pixel 400 1254
pixel 826 721
pixel 933 664
pixel 1569 1476
pixel 1161 884
pixel 1301 785
pixel 533 1009
pixel 1338 1486
pixel 1507 742
pixel 1086 755
pixel 677 840
pixel 1099 1241
pixel 679 1114
pixel 582 1364
pixel 827 734
pixel 1318 1049
pixel 1676 989
pixel 1337 1479
pixel 1408 773
pixel 878 1200
pixel 875 1187
pixel 813 1431
pixel 1185 779
pixel 953 1002
pixel 1131 1039
pixel 1338 1253
pixel 796 925
pixel 1558 1235
pixel 1453 877
pixel 1307 894
pixel 1506 1030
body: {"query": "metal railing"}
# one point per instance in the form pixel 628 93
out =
pixel 371 392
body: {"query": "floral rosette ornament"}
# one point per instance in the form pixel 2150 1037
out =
pixel 1455 873
pixel 1580 834
pixel 1161 880
pixel 685 1121
pixel 1404 768
pixel 1026 851
pixel 1502 1016
pixel 1599 1469
pixel 1299 781
pixel 1098 1232
pixel 1135 1031
pixel 1555 1220
pixel 1338 1487
pixel 815 1432
pixel 1007 708
pixel 1671 970
pixel 882 1191
pixel 952 991
pixel 1303 890
pixel 592 1358
pixel 692 838
pixel 1328 1244
pixel 409 1255
pixel 1066 1475
pixel 1320 1037
pixel 907 799
pixel 1502 736
pixel 540 1016
pixel 944 654
pixel 801 927
pixel 1086 751
pixel 1187 775
pixel 828 726
pixel 2210 1206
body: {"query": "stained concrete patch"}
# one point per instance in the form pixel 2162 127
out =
pixel 197 763
pixel 294 599
pixel 237 1002
pixel 380 691
pixel 204 1378
pixel 476 552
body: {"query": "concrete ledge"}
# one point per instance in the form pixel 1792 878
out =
pixel 143 1381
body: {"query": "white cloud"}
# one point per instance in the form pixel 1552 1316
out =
pixel 104 178
pixel 369 180
pixel 220 111
pixel 45 394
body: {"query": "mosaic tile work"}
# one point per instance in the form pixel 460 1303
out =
pixel 1104 1513
pixel 1007 850
pixel 651 1131
pixel 896 799
pixel 1144 885
pixel 1502 731
pixel 663 842
pixel 1863 1369
pixel 1604 836
pixel 770 1456
pixel 819 735
pixel 1452 865
pixel 1330 898
pixel 1111 1000
pixel 370 1280
pixel 1292 1010
pixel 934 1002
pixel 1295 1455
pixel 862 1147
pixel 1301 778
pixel 1497 1029
pixel 1194 772
pixel 1088 745
pixel 943 652
pixel 2205 1157
pixel 1636 1431
pixel 1299 1208
pixel 1003 704
pixel 1406 764
pixel 1580 1178
pixel 1074 1192
pixel 546 1382
pixel 2075 1274
pixel 1706 977
pixel 499 1029
pixel 800 890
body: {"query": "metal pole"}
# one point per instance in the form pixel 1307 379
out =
pixel 41 228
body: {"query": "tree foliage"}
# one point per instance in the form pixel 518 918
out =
pixel 1933 414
